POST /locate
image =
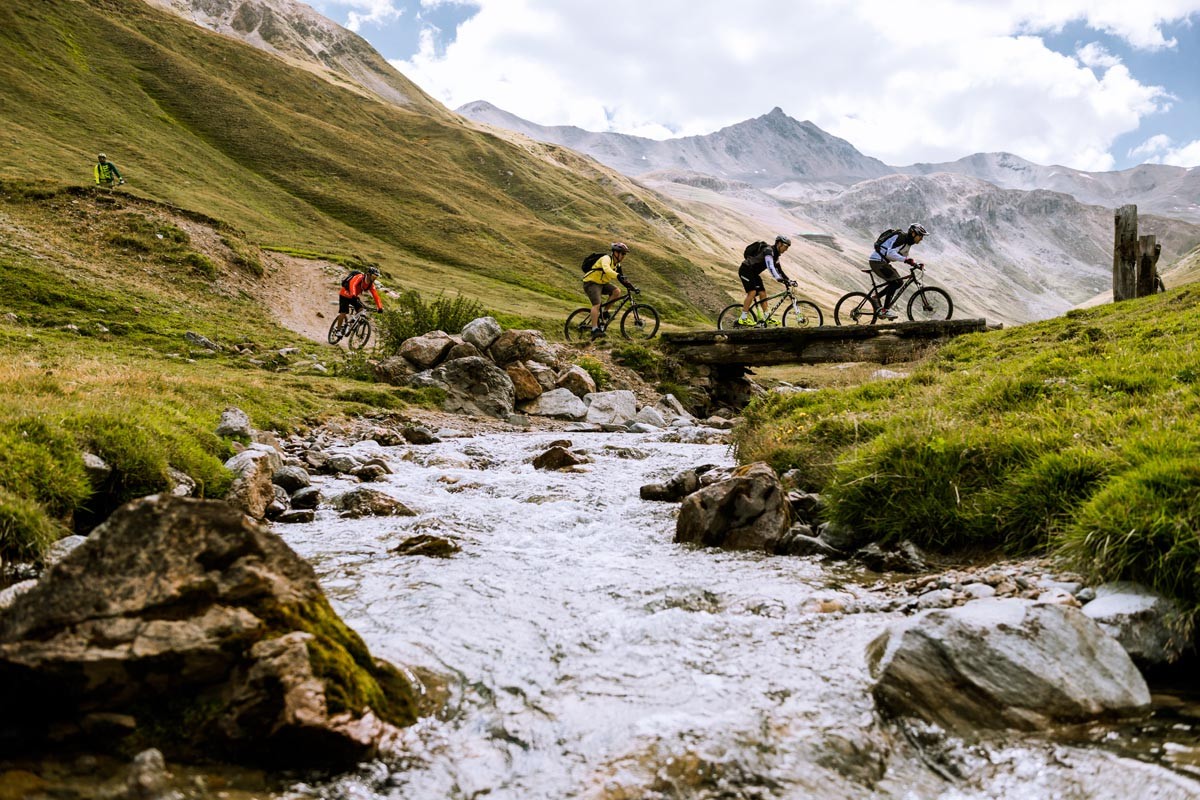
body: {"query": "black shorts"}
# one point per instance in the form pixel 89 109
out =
pixel 884 270
pixel 751 281
pixel 347 303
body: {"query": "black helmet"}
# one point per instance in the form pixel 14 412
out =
pixel 620 247
pixel 781 239
pixel 917 229
pixel 373 271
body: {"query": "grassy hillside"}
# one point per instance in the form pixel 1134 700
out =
pixel 207 123
pixel 100 294
pixel 1076 435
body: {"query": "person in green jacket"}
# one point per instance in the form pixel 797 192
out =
pixel 106 172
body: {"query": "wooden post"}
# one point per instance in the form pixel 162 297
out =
pixel 1148 252
pixel 1125 254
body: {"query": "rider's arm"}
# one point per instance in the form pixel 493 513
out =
pixel 774 268
pixel 116 173
pixel 375 294
pixel 96 173
pixel 606 265
pixel 891 250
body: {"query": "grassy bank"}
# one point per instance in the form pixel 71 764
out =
pixel 1077 435
pixel 100 294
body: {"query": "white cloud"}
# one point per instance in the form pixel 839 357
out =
pixel 373 12
pixel 1161 149
pixel 903 80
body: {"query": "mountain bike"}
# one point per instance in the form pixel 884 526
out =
pixel 356 329
pixel 639 321
pixel 863 308
pixel 797 313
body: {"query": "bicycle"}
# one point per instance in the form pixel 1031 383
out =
pixel 803 313
pixel 926 303
pixel 640 320
pixel 356 329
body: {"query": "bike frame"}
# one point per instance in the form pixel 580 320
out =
pixel 786 296
pixel 876 287
pixel 616 305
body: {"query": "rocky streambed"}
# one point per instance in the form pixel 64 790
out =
pixel 581 652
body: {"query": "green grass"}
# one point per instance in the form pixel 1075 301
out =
pixel 412 315
pixel 1076 436
pixel 200 121
pixel 97 360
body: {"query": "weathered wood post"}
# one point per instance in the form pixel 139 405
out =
pixel 1125 254
pixel 1148 253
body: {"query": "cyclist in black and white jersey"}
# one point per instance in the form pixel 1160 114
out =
pixel 894 248
pixel 750 274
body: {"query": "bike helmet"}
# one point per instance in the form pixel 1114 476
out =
pixel 373 271
pixel 917 229
pixel 620 247
pixel 781 239
pixel 101 157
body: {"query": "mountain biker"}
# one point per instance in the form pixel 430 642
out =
pixel 598 282
pixel 894 248
pixel 750 273
pixel 105 172
pixel 358 283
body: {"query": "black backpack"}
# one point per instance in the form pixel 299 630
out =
pixel 589 261
pixel 883 237
pixel 754 250
pixel 346 280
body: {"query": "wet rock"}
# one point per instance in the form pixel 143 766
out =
pixel 426 545
pixel 720 423
pixel 632 453
pixel 1058 597
pixel 296 516
pixel 307 498
pixel 671 409
pixel 525 385
pixel 476 386
pixel 197 623
pixel 577 381
pixel 904 557
pixel 519 421
pixel 679 486
pixel 291 479
pixel 806 506
pixel 748 511
pixel 234 424
pixel 364 502
pixel 481 332
pixel 10 594
pixel 617 407
pixel 252 489
pixel 427 350
pixel 148 778
pixel 936 598
pixel 799 541
pixel 979 591
pixel 1004 664
pixel 648 415
pixel 840 537
pixel 1146 624
pixel 419 434
pixel 558 458
pixel 558 403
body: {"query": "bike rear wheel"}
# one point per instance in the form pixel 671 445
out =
pixel 579 326
pixel 360 333
pixel 855 308
pixel 930 303
pixel 809 315
pixel 335 333
pixel 639 322
pixel 727 321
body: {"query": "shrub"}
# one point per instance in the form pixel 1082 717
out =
pixel 25 530
pixel 596 370
pixel 412 316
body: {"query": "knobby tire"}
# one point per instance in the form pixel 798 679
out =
pixel 579 326
pixel 940 304
pixel 855 308
pixel 639 322
pixel 811 316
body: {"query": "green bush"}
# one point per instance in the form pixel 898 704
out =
pixel 411 316
pixel 594 368
pixel 25 530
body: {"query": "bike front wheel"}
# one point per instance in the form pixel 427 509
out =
pixel 806 315
pixel 579 326
pixel 727 321
pixel 335 332
pixel 360 333
pixel 639 322
pixel 855 308
pixel 930 303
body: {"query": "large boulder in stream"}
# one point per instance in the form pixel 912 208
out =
pixel 472 385
pixel 747 511
pixel 188 627
pixel 1004 664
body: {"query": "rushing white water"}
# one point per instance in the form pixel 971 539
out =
pixel 590 656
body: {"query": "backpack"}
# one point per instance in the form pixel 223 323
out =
pixel 346 280
pixel 883 237
pixel 589 261
pixel 754 249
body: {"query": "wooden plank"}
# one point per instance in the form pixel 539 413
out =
pixel 1147 265
pixel 765 347
pixel 1125 253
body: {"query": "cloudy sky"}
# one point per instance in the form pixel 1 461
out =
pixel 1090 84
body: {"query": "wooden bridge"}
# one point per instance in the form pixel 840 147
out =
pixel 902 341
